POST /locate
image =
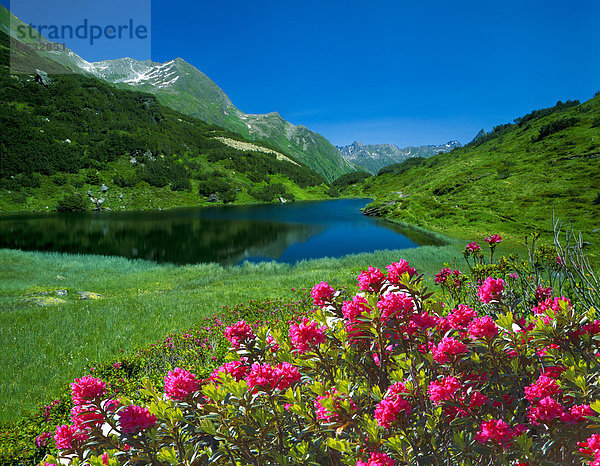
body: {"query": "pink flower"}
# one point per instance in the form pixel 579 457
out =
pixel 550 304
pixel 473 247
pixel 497 432
pixel 134 419
pixel 239 333
pixel 356 308
pixel 86 389
pixel 591 446
pixel 460 317
pixel 397 389
pixel 377 459
pixel 544 386
pixel 491 290
pixel 577 414
pixel 388 410
pixel 448 347
pixel 545 411
pixel 593 328
pixel 267 377
pixel 477 399
pixel 442 276
pixel 443 390
pixel 306 335
pixel 327 415
pixel 483 328
pixel 237 369
pixel 42 439
pixel 492 240
pixel 424 320
pixel 286 375
pixel 68 437
pixel 272 343
pixel 397 269
pixel 179 384
pixel 395 305
pixel 84 417
pixel 104 458
pixel 322 293
pixel 542 293
pixel 371 280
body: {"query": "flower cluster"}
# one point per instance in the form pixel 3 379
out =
pixel 180 384
pixel 307 335
pixel 388 376
pixel 322 293
pixel 240 334
pixel 491 290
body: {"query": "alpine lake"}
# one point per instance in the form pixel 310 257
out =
pixel 227 235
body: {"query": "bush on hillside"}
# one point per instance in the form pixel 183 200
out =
pixel 504 372
pixel 349 179
pixel 555 126
pixel 399 168
pixel 74 202
pixel 269 192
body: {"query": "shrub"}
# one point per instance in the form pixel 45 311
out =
pixel 269 192
pixel 60 179
pixel 501 373
pixel 74 202
pixel 349 179
pixel 125 182
pixel 555 126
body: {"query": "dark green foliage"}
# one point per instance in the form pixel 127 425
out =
pixel 269 192
pixel 219 188
pixel 546 111
pixel 126 182
pixel 597 200
pixel 214 186
pixel 60 179
pixel 258 166
pixel 22 180
pixel 344 181
pixel 399 168
pixel 333 192
pixel 163 171
pixel 74 202
pixel 555 126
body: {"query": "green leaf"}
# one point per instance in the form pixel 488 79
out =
pixel 208 427
pixel 168 455
pixel 595 405
pixel 339 445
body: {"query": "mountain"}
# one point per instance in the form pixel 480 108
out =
pixel 75 138
pixel 481 134
pixel 510 181
pixel 373 157
pixel 184 88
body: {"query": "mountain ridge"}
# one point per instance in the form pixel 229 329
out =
pixel 374 157
pixel 193 93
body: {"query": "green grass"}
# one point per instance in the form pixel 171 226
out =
pixel 509 184
pixel 44 348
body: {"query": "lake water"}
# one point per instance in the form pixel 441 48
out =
pixel 227 235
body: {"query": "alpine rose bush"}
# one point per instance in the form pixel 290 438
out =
pixel 501 373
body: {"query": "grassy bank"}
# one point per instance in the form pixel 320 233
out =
pixel 44 347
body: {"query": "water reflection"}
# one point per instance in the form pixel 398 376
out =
pixel 227 235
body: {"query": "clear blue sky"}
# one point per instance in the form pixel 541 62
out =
pixel 401 72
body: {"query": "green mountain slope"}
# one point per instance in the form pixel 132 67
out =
pixel 68 138
pixel 508 181
pixel 181 86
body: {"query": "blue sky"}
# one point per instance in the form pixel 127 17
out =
pixel 400 72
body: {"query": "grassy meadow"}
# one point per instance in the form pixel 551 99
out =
pixel 45 347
